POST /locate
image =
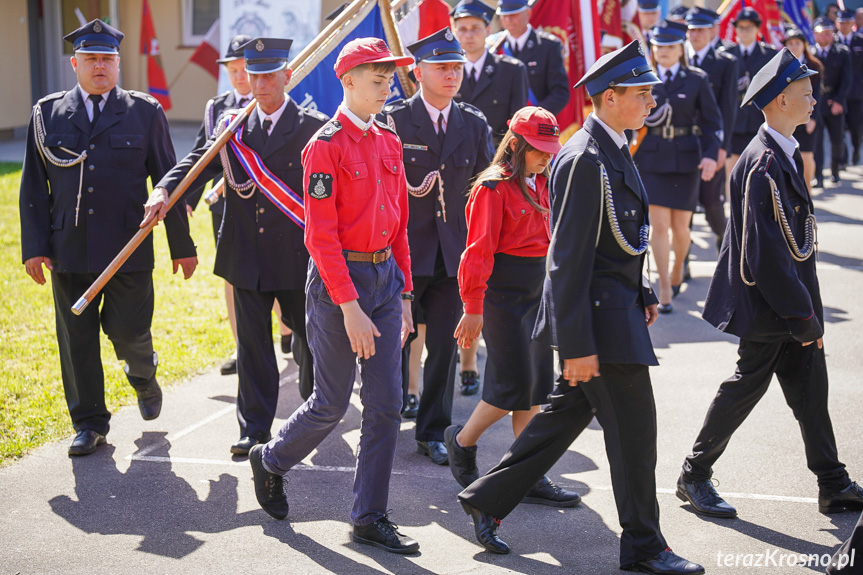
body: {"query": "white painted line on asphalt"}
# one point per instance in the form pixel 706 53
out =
pixel 412 473
pixel 184 431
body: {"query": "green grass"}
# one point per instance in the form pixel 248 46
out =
pixel 190 332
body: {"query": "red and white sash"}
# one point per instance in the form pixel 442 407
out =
pixel 278 192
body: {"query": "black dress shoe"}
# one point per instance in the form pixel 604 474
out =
pixel 469 382
pixel 835 179
pixel 818 183
pixel 545 492
pixel 485 527
pixel 245 445
pixel 704 498
pixel 462 460
pixel 675 290
pixel 435 450
pixel 385 535
pixel 663 563
pixel 229 367
pixel 86 442
pixel 412 408
pixel 269 487
pixel 665 308
pixel 286 343
pixel 848 499
pixel 149 400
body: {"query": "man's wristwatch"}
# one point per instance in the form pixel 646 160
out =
pixel 408 295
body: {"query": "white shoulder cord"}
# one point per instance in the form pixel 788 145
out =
pixel 229 173
pixel 428 182
pixel 60 163
pixel 810 242
pixel 659 116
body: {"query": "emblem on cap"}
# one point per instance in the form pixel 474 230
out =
pixel 448 36
pixel 235 45
pixel 97 27
pixel 259 46
pixel 640 50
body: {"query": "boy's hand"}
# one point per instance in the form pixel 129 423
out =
pixel 360 329
pixel 407 320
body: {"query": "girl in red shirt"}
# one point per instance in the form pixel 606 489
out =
pixel 500 279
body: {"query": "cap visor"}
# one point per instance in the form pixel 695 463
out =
pixel 502 12
pixel 267 68
pixel 548 146
pixel 97 50
pixel 397 60
pixel 226 60
pixel 445 59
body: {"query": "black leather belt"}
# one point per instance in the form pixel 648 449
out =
pixel 671 132
pixel 373 257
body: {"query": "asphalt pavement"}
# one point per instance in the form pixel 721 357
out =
pixel 166 496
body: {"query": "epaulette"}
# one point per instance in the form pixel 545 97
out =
pixel 384 126
pixel 694 71
pixel 314 114
pixel 510 60
pixel 53 96
pixel 762 164
pixel 146 97
pixel 395 106
pixel 472 109
pixel 328 130
pixel 591 150
pixel 723 52
pixel 490 184
pixel 548 36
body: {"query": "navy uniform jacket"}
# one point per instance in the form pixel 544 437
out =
pixel 856 47
pixel 749 118
pixel 721 68
pixel 594 299
pixel 500 92
pixel 785 302
pixel 212 112
pixel 130 143
pixel 466 152
pixel 543 56
pixel 837 77
pixel 692 104
pixel 259 247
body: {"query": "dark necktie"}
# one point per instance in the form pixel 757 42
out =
pixel 823 54
pixel 667 76
pixel 242 103
pixel 695 60
pixel 440 131
pixel 745 55
pixel 513 47
pixel 625 149
pixel 798 161
pixel 96 99
pixel 266 126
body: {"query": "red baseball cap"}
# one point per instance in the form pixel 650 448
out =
pixel 366 51
pixel 539 127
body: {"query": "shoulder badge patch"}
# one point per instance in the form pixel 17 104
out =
pixel 320 186
pixel 384 126
pixel 329 130
pixel 473 110
pixel 146 97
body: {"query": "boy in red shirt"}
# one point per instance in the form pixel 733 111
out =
pixel 358 295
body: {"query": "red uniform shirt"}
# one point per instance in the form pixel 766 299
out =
pixel 356 199
pixel 500 220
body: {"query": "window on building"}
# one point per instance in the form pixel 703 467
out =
pixel 198 16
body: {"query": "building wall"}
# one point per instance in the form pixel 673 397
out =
pixel 15 87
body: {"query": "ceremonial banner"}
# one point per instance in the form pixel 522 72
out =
pixel 799 13
pixel 299 20
pixel 207 53
pixel 417 19
pixel 772 31
pixel 157 86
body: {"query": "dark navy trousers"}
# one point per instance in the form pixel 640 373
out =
pixel 379 287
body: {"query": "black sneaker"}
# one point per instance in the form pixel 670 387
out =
pixel 545 492
pixel 469 382
pixel 411 408
pixel 269 487
pixel 462 460
pixel 384 534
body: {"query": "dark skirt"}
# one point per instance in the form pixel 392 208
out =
pixel 675 191
pixel 519 372
pixel 805 139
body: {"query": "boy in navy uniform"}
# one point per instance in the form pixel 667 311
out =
pixel 445 144
pixel 721 68
pixel 542 54
pixel 596 309
pixel 89 153
pixel 494 83
pixel 836 85
pixel 359 291
pixel 260 250
pixel 765 291
pixel 751 56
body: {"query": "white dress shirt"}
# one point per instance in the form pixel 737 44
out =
pixel 274 117
pixel 88 103
pixel 434 112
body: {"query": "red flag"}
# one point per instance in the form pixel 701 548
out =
pixel 609 18
pixel 434 16
pixel 157 86
pixel 207 52
pixel 576 24
pixel 771 22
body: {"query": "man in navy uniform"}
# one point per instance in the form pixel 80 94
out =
pixel 542 54
pixel 836 85
pixel 445 145
pixel 765 291
pixel 89 153
pixel 751 56
pixel 716 40
pixel 846 35
pixel 721 68
pixel 260 250
pixel 238 96
pixel 596 309
pixel 494 83
pixel 649 14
